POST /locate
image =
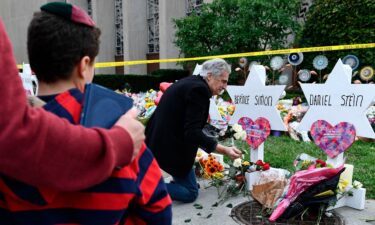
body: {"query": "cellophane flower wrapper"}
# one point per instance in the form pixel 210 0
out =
pixel 299 182
pixel 270 187
pixel 268 193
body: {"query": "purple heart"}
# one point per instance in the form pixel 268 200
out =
pixel 256 131
pixel 333 140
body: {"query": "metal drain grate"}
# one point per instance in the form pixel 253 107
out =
pixel 250 213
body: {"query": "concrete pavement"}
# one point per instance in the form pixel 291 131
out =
pixel 185 214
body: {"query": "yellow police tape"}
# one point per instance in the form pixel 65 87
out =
pixel 237 55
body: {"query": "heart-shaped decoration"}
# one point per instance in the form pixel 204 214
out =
pixel 333 140
pixel 256 131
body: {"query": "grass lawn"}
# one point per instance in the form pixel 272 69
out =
pixel 280 152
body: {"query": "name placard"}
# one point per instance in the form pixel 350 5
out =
pixel 338 100
pixel 255 99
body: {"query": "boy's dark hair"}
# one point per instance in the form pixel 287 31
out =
pixel 55 45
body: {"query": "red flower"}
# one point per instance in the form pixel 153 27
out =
pixel 266 166
pixel 321 162
pixel 259 163
pixel 240 178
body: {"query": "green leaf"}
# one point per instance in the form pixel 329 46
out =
pixel 198 206
pixel 215 205
pixel 230 205
pixel 187 220
pixel 209 215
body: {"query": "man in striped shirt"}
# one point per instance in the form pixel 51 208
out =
pixel 62 45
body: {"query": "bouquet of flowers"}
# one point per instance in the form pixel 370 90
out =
pixel 234 180
pixel 282 108
pixel 144 102
pixel 314 187
pixel 259 166
pixel 208 167
pixel 225 110
pixel 228 178
pixel 371 116
pixel 307 162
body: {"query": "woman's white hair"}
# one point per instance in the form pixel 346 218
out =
pixel 215 67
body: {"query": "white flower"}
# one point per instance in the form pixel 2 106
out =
pixel 253 168
pixel 242 62
pixel 240 135
pixel 243 135
pixel 237 162
pixel 357 184
pixel 329 214
pixel 222 133
pixel 237 128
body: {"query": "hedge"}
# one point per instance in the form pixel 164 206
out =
pixel 138 83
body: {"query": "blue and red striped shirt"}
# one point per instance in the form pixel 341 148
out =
pixel 135 194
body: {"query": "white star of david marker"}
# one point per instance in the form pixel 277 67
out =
pixel 255 99
pixel 337 100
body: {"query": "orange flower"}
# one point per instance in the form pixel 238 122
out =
pixel 210 169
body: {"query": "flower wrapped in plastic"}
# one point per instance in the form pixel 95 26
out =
pixel 270 187
pixel 207 166
pixel 307 162
pixel 302 181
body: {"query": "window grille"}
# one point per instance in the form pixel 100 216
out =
pixel 193 6
pixel 119 34
pixel 153 25
pixel 89 8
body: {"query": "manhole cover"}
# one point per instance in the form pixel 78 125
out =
pixel 249 213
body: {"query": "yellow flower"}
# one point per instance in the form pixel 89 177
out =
pixel 218 175
pixel 246 163
pixel 231 109
pixel 325 193
pixel 343 184
pixel 206 176
pixel 280 106
pixel 305 164
pixel 149 104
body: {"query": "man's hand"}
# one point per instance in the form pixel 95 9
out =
pixel 231 152
pixel 135 129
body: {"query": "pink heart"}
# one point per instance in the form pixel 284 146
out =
pixel 257 132
pixel 333 140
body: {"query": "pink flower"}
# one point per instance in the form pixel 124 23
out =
pixel 311 167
